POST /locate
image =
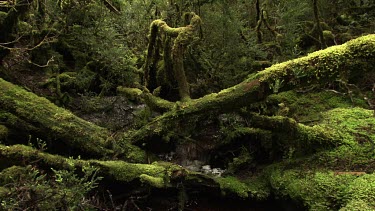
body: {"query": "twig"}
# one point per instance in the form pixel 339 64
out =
pixel 42 66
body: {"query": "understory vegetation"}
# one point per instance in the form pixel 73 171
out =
pixel 187 105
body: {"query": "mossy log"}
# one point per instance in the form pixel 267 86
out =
pixel 157 174
pixel 290 134
pixel 52 122
pixel 154 102
pixel 344 63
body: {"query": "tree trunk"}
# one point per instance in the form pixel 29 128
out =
pixel 317 23
pixel 184 36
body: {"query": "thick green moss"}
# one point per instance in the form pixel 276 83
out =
pixel 127 172
pixel 353 123
pixel 361 192
pixel 308 107
pixel 253 187
pixel 316 190
pixel 133 94
pixel 119 170
pixel 325 190
pixel 153 181
pixel 357 205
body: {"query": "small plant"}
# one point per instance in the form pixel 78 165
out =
pixel 31 188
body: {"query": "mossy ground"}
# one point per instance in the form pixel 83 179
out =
pixel 308 107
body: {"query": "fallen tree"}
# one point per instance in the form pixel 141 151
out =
pixel 23 111
pixel 342 63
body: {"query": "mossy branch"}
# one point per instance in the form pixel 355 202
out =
pixel 154 102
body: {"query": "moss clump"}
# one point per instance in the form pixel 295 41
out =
pixel 308 107
pixel 253 187
pixel 357 205
pixel 361 193
pixel 153 181
pixel 133 94
pixel 324 190
pixel 239 162
pixel 126 172
pixel 317 191
pixel 233 185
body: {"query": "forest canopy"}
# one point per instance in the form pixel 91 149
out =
pixel 178 105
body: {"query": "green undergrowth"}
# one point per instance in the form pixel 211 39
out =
pixel 356 126
pixel 325 190
pixel 24 188
pixel 335 178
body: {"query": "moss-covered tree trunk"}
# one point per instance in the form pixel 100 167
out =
pixel 51 122
pixel 183 37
